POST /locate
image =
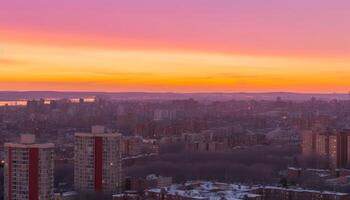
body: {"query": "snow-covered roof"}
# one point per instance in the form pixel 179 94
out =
pixel 208 190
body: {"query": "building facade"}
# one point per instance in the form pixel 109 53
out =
pixel 211 190
pixel 29 170
pixel 131 146
pixel 97 161
pixel 140 184
pixel 331 145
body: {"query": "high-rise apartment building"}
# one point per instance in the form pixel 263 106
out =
pixel 29 170
pixel 338 149
pixel 308 143
pixel 332 145
pixel 322 145
pixel 97 166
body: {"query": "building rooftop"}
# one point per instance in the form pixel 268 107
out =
pixel 209 190
pixel 217 191
pixel 28 141
pixel 98 131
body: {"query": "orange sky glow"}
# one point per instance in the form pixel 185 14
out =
pixel 33 58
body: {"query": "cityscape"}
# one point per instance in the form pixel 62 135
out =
pixel 174 100
pixel 121 149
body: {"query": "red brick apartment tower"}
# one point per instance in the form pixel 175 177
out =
pixel 308 143
pixel 28 170
pixel 338 150
pixel 97 165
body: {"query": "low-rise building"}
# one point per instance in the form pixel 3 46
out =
pixel 205 191
pixel 65 196
pixel 139 185
pixel 210 190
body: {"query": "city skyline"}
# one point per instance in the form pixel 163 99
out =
pixel 182 46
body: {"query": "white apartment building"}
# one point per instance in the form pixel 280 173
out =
pixel 97 165
pixel 29 170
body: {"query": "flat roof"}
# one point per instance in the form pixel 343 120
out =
pixel 35 145
pixel 98 134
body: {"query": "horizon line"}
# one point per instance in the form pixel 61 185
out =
pixel 170 92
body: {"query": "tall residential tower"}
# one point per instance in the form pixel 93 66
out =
pixel 97 166
pixel 29 170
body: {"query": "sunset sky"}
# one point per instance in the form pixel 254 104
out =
pixel 175 45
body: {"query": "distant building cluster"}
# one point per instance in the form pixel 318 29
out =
pixel 151 129
pixel 221 139
pixel 132 146
pixel 332 145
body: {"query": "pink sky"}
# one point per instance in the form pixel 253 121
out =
pixel 310 27
pixel 175 45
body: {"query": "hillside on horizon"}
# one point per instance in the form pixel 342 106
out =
pixel 217 96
